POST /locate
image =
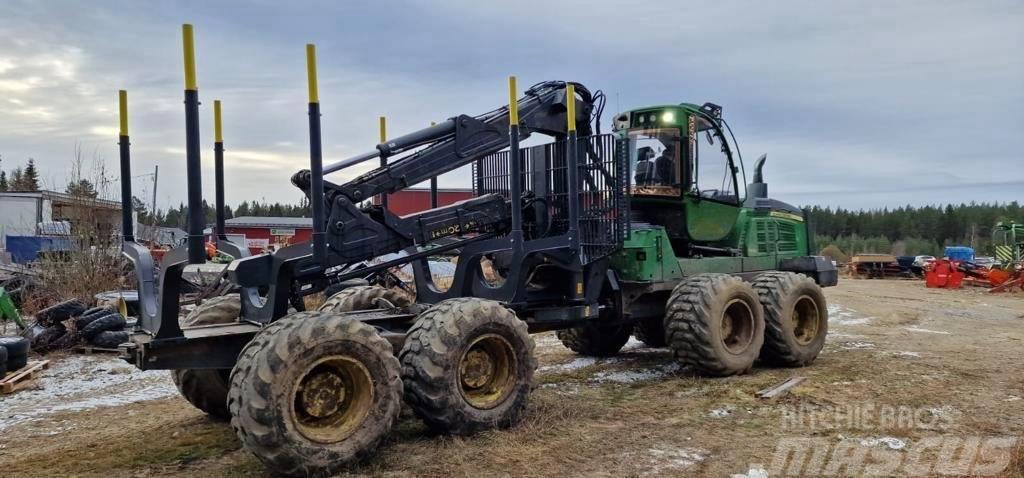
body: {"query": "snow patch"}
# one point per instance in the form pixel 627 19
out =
pixel 721 412
pixel 568 367
pixel 631 376
pixel 856 345
pixel 846 316
pixel 907 354
pixel 927 331
pixel 754 472
pixel 84 382
pixel 890 442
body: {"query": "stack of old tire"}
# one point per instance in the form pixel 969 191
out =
pixel 69 322
pixel 13 354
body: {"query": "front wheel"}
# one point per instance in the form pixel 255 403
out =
pixel 314 392
pixel 715 324
pixel 468 365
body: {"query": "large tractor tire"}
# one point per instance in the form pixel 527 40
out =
pixel 651 332
pixel 468 365
pixel 796 318
pixel 363 297
pixel 207 389
pixel 112 322
pixel 3 362
pixel 596 340
pixel 715 324
pixel 314 392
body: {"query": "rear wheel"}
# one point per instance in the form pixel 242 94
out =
pixel 207 389
pixel 314 392
pixel 596 340
pixel 468 365
pixel 362 297
pixel 715 324
pixel 796 318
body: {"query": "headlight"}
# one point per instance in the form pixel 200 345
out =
pixel 668 117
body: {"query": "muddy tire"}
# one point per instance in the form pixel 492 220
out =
pixel 314 392
pixel 110 322
pixel 110 339
pixel 15 345
pixel 91 315
pixel 795 316
pixel 651 332
pixel 335 288
pixel 3 362
pixel 362 297
pixel 596 340
pixel 468 365
pixel 61 312
pixel 207 389
pixel 42 342
pixel 715 324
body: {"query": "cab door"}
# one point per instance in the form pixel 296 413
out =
pixel 713 201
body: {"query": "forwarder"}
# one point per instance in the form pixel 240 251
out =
pixel 647 230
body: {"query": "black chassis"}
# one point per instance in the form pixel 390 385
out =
pixel 486 225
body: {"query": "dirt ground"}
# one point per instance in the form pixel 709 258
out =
pixel 903 365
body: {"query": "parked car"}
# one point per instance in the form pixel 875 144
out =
pixel 987 262
pixel 921 261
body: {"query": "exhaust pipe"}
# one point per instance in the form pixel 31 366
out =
pixel 758 189
pixel 196 215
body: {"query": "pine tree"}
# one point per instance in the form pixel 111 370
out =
pixel 3 181
pixel 82 188
pixel 17 178
pixel 31 177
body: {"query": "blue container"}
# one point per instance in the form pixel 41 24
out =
pixel 959 253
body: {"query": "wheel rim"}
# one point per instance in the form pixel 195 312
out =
pixel 332 398
pixel 486 374
pixel 737 326
pixel 806 320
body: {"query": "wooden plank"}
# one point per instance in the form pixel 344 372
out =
pixel 24 377
pixel 781 388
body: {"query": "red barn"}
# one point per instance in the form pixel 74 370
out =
pixel 260 233
pixel 408 201
pixel 263 233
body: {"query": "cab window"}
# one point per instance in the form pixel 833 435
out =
pixel 713 177
pixel 654 162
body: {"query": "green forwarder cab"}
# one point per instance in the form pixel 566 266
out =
pixel 696 229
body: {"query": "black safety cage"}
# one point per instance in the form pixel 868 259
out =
pixel 603 198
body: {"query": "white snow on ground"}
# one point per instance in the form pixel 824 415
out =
pixel 665 460
pixel 907 354
pixel 856 345
pixel 721 412
pixel 846 316
pixel 576 364
pixel 630 376
pixel 753 472
pixel 890 442
pixel 927 331
pixel 84 382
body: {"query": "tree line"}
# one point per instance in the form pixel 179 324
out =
pixel 910 230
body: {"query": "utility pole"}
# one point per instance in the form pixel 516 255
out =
pixel 152 212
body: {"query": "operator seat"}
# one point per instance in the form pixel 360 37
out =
pixel 644 167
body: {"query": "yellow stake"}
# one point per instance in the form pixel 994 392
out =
pixel 218 135
pixel 188 45
pixel 570 105
pixel 314 93
pixel 122 101
pixel 513 102
pixel 383 129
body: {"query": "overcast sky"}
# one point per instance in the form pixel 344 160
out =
pixel 857 104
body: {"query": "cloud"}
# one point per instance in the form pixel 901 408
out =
pixel 844 97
